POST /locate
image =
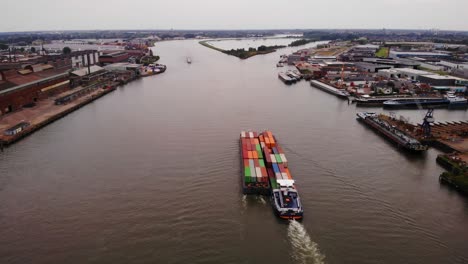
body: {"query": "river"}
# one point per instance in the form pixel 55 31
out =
pixel 150 174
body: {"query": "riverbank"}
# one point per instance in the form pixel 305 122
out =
pixel 241 53
pixel 456 174
pixel 46 112
pixel 19 124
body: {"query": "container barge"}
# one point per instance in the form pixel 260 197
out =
pixel 266 172
pixel 329 89
pixel 391 133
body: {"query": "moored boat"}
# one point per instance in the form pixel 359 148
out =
pixel 391 132
pixel 329 89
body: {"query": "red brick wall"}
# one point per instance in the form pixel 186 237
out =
pixel 25 96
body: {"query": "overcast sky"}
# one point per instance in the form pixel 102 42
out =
pixel 234 14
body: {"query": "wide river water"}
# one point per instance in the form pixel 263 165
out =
pixel 151 174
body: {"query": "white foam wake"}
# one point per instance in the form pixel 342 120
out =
pixel 261 199
pixel 304 250
pixel 244 201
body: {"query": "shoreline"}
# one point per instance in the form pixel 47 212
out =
pixel 250 53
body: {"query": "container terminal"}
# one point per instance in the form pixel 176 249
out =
pixel 265 172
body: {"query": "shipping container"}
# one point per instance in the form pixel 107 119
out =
pixel 284 160
pixel 275 151
pixel 258 172
pixel 262 163
pixel 273 183
pixel 278 176
pixel 255 154
pixel 278 158
pixel 275 168
pixel 273 158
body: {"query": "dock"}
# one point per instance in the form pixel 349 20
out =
pixel 45 112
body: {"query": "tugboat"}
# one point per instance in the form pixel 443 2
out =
pixel 189 60
pixel 286 202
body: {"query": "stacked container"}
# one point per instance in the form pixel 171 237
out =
pixel 275 159
pixel 254 170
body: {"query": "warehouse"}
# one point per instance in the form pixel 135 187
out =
pixel 438 80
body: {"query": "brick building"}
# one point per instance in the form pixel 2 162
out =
pixel 24 86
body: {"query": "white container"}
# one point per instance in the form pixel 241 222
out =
pixel 258 172
pixel 285 161
pixel 273 159
pixel 278 176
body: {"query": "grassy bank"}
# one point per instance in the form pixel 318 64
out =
pixel 456 176
pixel 242 53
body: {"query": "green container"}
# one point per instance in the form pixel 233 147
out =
pixel 248 179
pixel 260 155
pixel 262 163
pixel 273 183
pixel 278 158
pixel 247 171
pixel 257 146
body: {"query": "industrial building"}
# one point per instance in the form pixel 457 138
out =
pixel 113 57
pixel 80 58
pixel 405 54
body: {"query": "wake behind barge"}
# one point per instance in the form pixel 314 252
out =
pixel 266 172
pixel 391 132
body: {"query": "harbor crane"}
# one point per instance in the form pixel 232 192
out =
pixel 427 121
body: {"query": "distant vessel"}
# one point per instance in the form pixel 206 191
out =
pixel 450 100
pixel 285 78
pixel 456 101
pixel 294 75
pixel 329 89
pixel 391 132
pixel 189 60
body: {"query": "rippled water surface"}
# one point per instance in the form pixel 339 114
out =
pixel 150 174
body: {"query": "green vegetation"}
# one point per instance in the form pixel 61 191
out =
pixel 146 60
pixel 457 176
pixel 433 71
pixel 3 46
pixel 300 42
pixel 66 50
pixel 33 49
pixel 382 52
pixel 242 53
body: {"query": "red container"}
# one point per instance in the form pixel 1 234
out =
pixel 261 138
pixel 256 163
pixel 281 168
pixel 245 153
pixel 246 162
pixel 271 174
pixel 280 150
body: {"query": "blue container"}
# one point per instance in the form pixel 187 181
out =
pixel 275 150
pixel 276 168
